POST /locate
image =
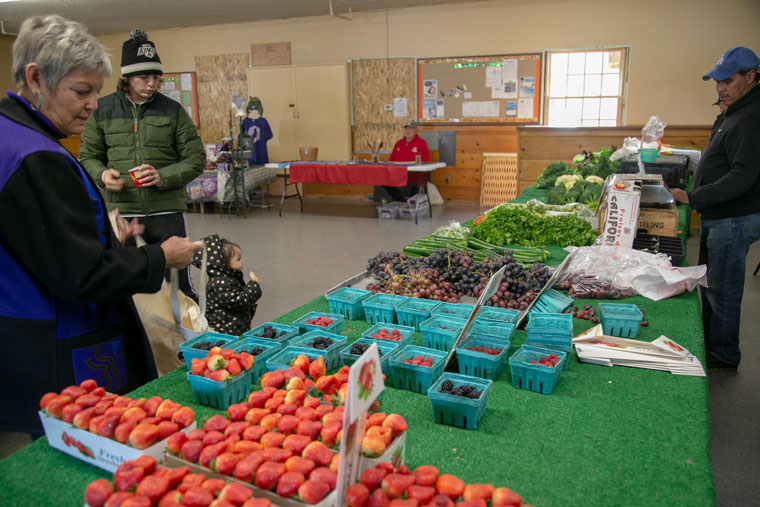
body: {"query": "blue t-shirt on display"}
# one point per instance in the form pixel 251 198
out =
pixel 260 133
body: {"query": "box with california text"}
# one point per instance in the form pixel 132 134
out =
pixel 619 213
pixel 94 449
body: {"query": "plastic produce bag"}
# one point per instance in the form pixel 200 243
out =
pixel 609 272
pixel 630 146
pixel 651 134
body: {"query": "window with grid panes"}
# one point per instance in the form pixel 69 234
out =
pixel 584 88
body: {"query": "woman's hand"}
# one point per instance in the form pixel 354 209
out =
pixel 179 251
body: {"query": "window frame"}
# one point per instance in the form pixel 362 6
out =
pixel 622 108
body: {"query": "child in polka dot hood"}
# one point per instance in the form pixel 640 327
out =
pixel 230 301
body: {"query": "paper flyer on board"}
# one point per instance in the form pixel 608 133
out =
pixel 509 78
pixel 525 108
pixel 429 88
pixel 399 107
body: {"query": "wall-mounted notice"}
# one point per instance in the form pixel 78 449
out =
pixel 479 88
pixel 181 87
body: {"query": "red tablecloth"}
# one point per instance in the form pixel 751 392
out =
pixel 349 174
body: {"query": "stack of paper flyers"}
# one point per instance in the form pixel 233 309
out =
pixel 661 354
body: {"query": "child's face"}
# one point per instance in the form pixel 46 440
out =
pixel 236 262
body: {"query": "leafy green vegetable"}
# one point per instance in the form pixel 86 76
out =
pixel 551 173
pixel 557 195
pixel 520 226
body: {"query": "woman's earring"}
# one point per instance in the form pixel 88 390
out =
pixel 39 97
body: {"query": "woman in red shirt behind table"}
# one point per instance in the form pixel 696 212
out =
pixel 406 150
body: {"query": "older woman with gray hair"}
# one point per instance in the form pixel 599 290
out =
pixel 66 309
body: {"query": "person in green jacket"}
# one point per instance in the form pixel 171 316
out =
pixel 142 148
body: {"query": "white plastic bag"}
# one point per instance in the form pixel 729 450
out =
pixel 630 145
pixel 651 134
pixel 611 272
pixel 434 196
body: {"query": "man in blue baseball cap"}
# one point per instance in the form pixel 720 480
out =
pixel 726 191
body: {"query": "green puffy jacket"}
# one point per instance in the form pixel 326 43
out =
pixel 158 132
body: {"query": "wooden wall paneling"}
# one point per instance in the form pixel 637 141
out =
pixel 73 144
pixel 375 83
pixel 541 146
pixel 219 77
pixel 269 54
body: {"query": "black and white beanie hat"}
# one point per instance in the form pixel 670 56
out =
pixel 139 55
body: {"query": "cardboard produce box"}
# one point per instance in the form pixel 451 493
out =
pixel 173 461
pixel 94 449
pixel 659 221
pixel 619 212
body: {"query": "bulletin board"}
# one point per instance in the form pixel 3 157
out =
pixel 480 89
pixel 181 86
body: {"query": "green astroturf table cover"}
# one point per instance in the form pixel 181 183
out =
pixel 605 436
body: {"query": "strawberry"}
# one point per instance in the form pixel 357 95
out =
pixel 372 477
pixel 246 360
pixel 97 492
pixel 153 486
pixel 215 362
pixel 299 464
pixel 191 450
pixel 313 491
pixel 324 474
pixel 449 485
pixel 289 483
pixel 357 495
pixel 233 367
pixel 216 423
pixel 268 474
pixel 246 468
pixel 219 375
pixel 235 494
pixel 197 496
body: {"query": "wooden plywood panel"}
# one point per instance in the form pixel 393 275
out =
pixel 219 78
pixel 539 147
pixel 73 144
pixel 457 176
pixel 270 53
pixel 375 83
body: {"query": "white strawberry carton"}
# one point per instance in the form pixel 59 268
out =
pixel 94 449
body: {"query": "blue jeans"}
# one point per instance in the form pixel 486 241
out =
pixel 723 246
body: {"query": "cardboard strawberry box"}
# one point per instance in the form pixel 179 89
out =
pixel 173 461
pixel 94 449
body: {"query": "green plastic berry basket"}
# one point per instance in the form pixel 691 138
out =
pixel 534 377
pixel 414 311
pixel 331 353
pixel 553 329
pixel 334 327
pixel 405 332
pixel 620 319
pixel 441 338
pixel 481 364
pixel 283 340
pixel 282 359
pixel 220 394
pixel 415 377
pixel 386 349
pixel 260 364
pixel 347 302
pixel 546 350
pixel 457 410
pixel 381 307
pixel 458 310
pixel 498 314
pixel 189 353
pixel 501 331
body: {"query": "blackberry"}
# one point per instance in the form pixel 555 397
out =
pixel 321 343
pixel 359 348
pixel 447 386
